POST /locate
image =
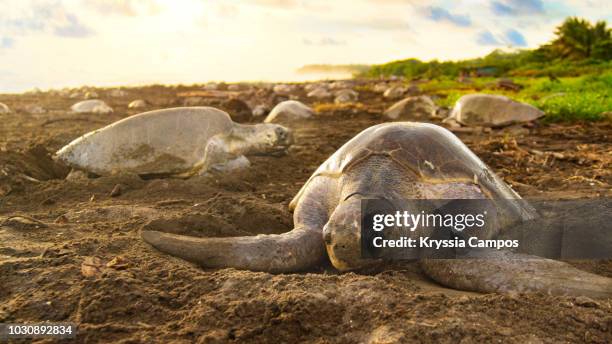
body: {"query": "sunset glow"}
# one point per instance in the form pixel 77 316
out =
pixel 124 42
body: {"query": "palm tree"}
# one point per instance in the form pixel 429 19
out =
pixel 573 39
pixel 577 39
pixel 602 41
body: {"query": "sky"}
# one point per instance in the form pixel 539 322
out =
pixel 67 43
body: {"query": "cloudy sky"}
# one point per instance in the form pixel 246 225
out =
pixel 57 43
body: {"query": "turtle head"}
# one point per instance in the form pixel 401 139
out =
pixel 268 138
pixel 342 236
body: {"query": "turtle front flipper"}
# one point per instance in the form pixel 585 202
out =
pixel 297 250
pixel 219 156
pixel 509 273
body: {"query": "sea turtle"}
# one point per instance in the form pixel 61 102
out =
pixel 283 89
pixel 395 92
pixel 289 111
pixel 260 110
pixel 346 96
pixel 211 86
pixel 341 84
pixel 137 104
pixel 4 109
pixel 34 109
pixel 319 93
pixel 492 110
pixel 91 106
pixel 380 87
pixel 91 95
pixel 118 93
pixel 176 141
pixel 412 108
pixel 391 161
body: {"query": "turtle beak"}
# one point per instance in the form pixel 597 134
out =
pixel 327 236
pixel 284 137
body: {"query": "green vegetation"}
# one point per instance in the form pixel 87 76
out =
pixel 569 78
pixel 326 69
pixel 579 48
pixel 567 99
pixel 577 39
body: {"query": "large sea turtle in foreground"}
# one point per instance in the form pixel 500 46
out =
pixel 392 161
pixel 177 141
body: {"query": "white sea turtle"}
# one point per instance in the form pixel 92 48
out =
pixel 319 93
pixel 288 111
pixel 137 104
pixel 345 96
pixel 4 109
pixel 283 89
pixel 176 141
pixel 91 106
pixel 412 108
pixel 118 93
pixel 492 110
pixel 395 92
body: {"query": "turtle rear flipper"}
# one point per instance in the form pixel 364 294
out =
pixel 297 250
pixel 511 273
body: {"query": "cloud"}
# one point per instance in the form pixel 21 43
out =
pixel 129 8
pixel 515 38
pixel 284 4
pixel 72 28
pixel 487 38
pixel 391 2
pixel 325 41
pixel 6 43
pixel 43 17
pixel 227 10
pixel 440 14
pixel 382 24
pixel 511 37
pixel 517 7
pixel 308 5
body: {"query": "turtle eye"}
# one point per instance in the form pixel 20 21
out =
pixel 280 133
pixel 327 236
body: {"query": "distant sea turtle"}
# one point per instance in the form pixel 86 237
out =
pixel 91 95
pixel 391 161
pixel 289 111
pixel 211 86
pixel 91 106
pixel 34 109
pixel 412 108
pixel 341 84
pixel 177 141
pixel 319 93
pixel 394 92
pixel 260 110
pixel 380 87
pixel 345 96
pixel 491 110
pixel 137 104
pixel 4 108
pixel 118 93
pixel 283 89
